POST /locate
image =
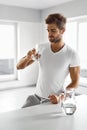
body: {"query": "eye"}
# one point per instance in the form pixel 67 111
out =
pixel 53 30
pixel 47 30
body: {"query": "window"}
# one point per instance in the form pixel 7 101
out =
pixel 7 51
pixel 70 36
pixel 76 37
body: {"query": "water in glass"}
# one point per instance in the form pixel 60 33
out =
pixel 69 103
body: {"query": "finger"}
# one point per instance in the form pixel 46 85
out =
pixel 33 51
pixel 54 99
pixel 37 55
pixel 29 53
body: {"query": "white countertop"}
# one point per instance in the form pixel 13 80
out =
pixel 46 117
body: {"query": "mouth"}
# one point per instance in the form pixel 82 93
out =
pixel 51 37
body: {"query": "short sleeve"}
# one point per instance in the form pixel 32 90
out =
pixel 75 60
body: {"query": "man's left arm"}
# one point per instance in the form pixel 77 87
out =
pixel 75 76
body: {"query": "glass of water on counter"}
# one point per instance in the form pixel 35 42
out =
pixel 69 102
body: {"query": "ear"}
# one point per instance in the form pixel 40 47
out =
pixel 62 30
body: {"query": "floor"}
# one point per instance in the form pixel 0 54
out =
pixel 13 99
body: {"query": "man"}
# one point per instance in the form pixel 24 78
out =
pixel 56 61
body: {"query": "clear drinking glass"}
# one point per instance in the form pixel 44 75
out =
pixel 38 52
pixel 69 102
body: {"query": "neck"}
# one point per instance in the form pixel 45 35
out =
pixel 55 47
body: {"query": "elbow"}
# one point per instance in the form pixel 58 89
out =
pixel 76 84
pixel 19 67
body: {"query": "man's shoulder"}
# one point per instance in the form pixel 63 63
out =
pixel 70 49
pixel 72 52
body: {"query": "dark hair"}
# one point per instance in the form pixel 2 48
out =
pixel 56 18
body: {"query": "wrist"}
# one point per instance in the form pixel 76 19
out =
pixel 28 57
pixel 58 98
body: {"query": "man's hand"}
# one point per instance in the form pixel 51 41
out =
pixel 33 53
pixel 26 60
pixel 54 99
pixel 30 53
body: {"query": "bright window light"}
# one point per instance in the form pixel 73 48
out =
pixel 7 51
pixel 70 35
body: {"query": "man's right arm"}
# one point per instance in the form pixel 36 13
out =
pixel 27 60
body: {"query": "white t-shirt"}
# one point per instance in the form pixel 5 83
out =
pixel 54 68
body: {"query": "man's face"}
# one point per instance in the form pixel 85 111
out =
pixel 54 33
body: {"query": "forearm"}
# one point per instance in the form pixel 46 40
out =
pixel 72 85
pixel 24 62
pixel 27 60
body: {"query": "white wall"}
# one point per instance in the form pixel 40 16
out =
pixel 19 14
pixel 29 35
pixel 70 9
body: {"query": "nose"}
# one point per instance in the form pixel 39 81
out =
pixel 50 33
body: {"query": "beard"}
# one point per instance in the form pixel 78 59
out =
pixel 54 39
